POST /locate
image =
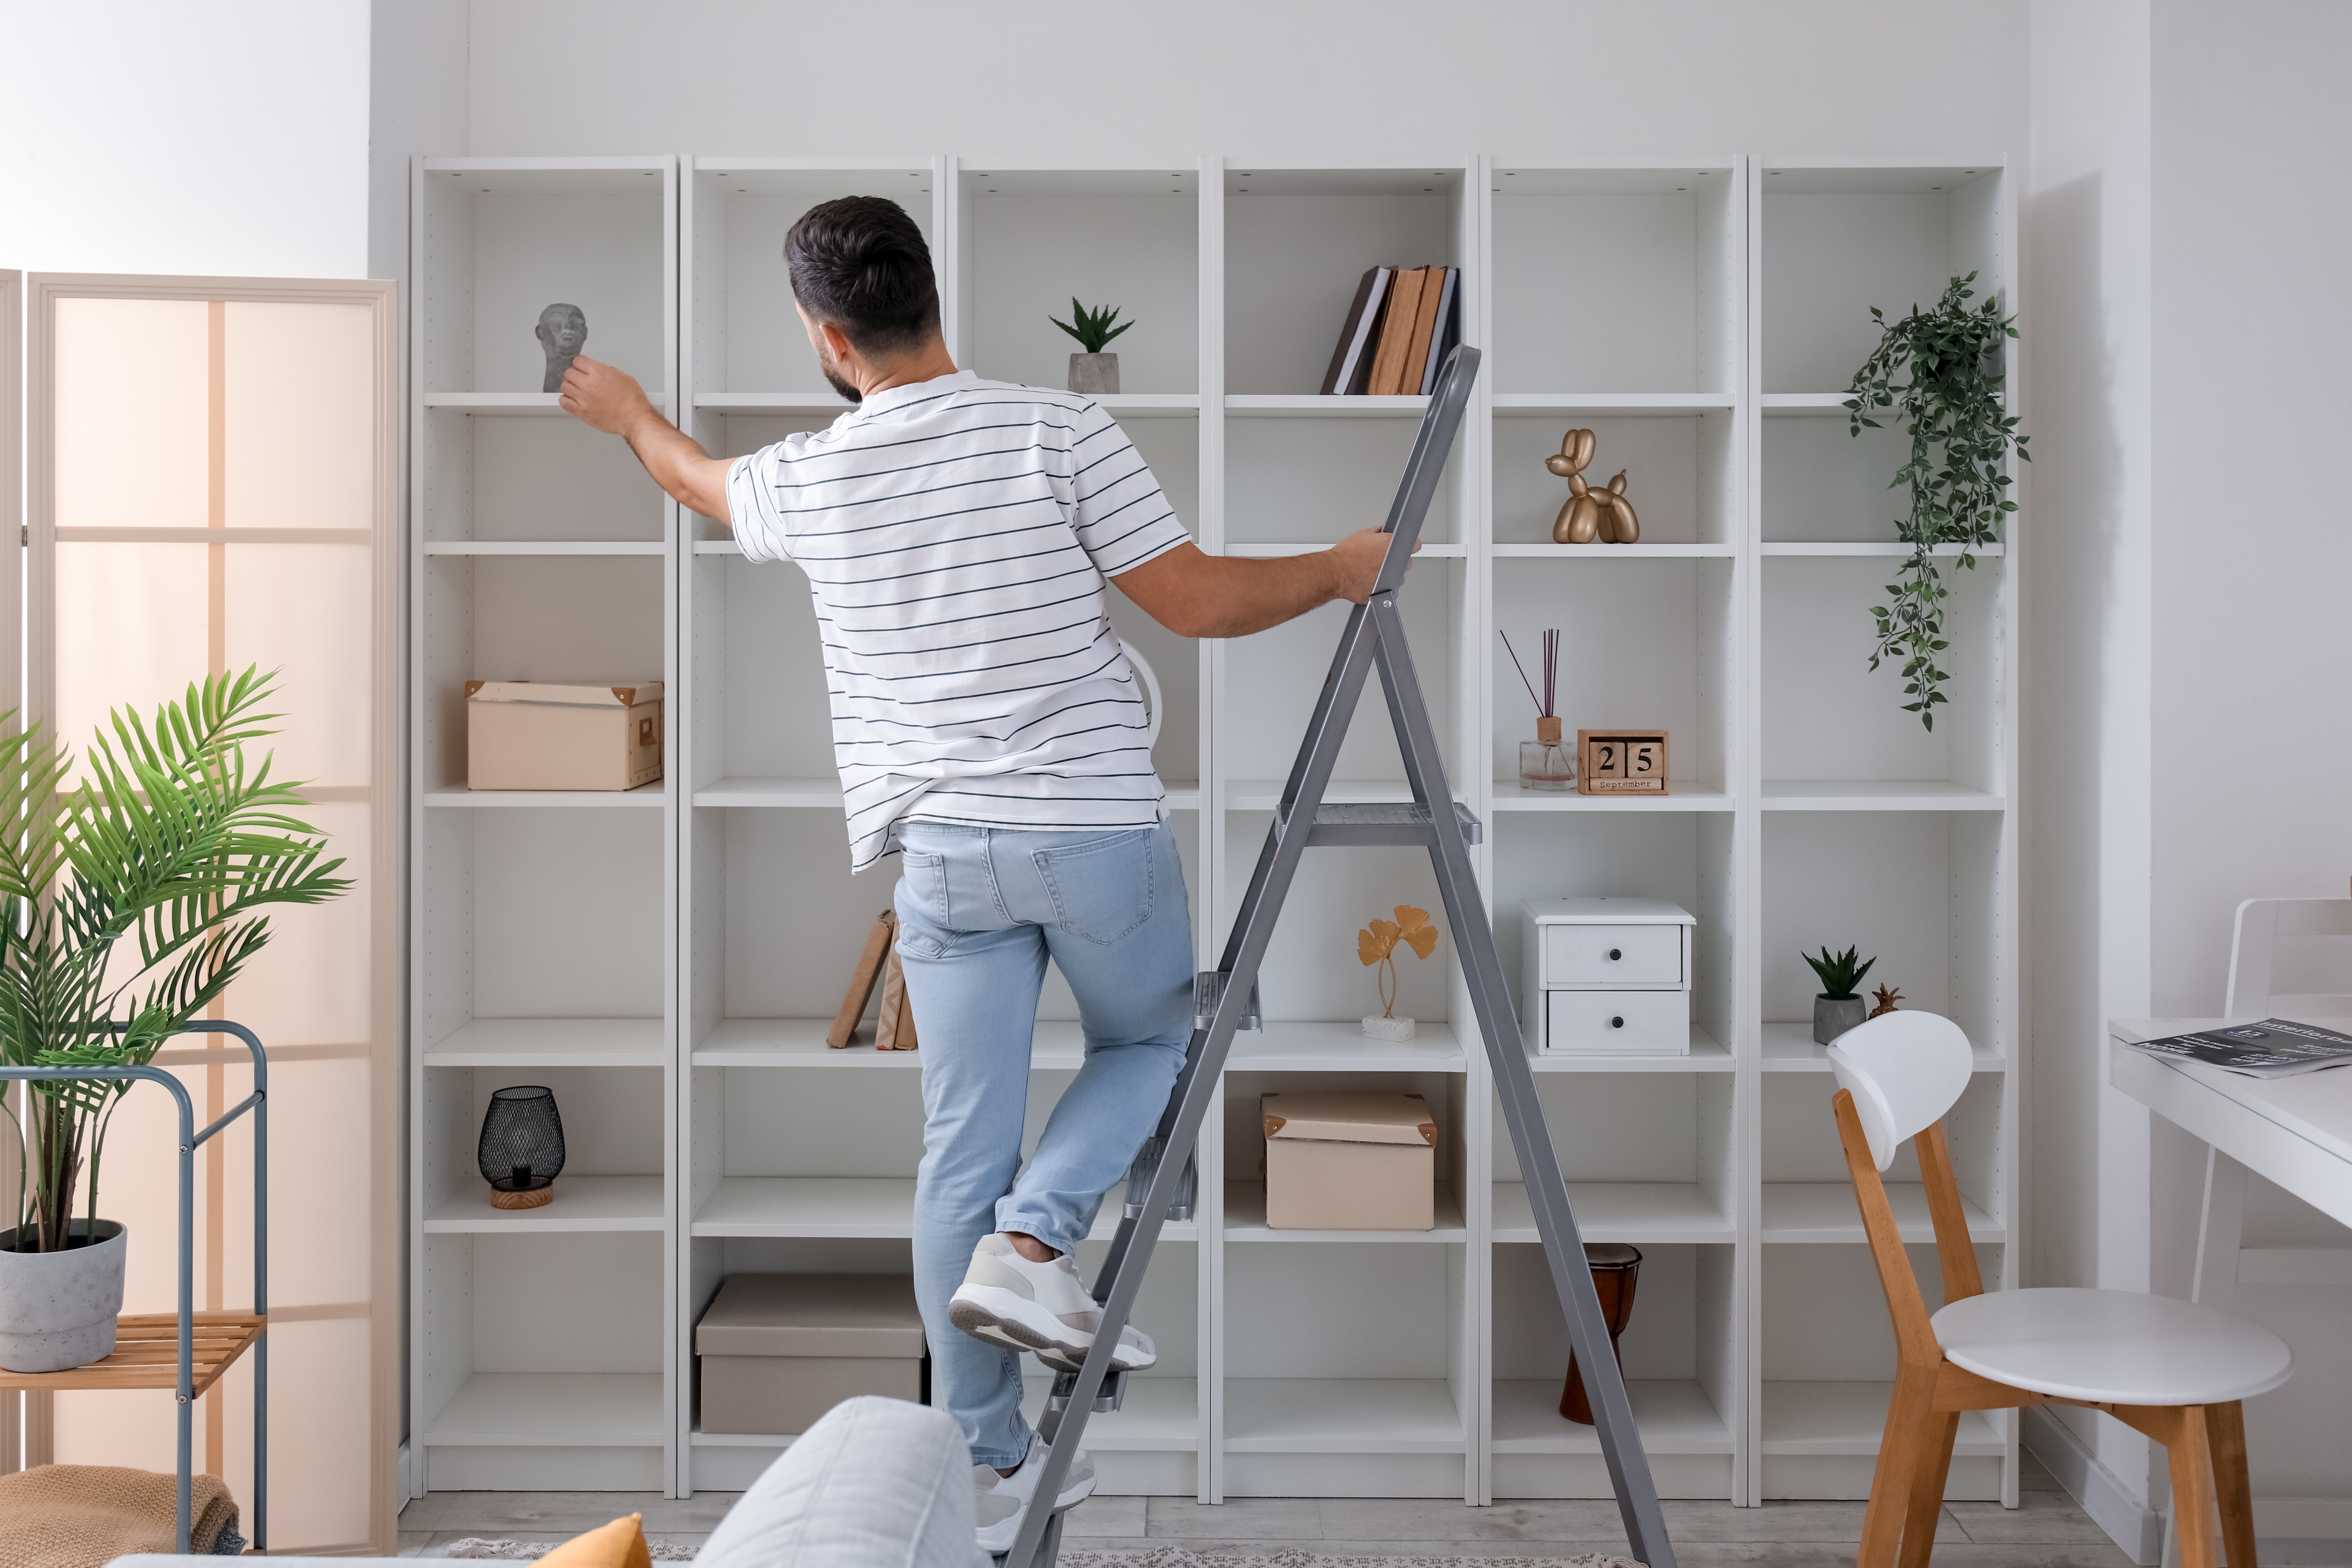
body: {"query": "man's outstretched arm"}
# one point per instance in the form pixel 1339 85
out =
pixel 1196 594
pixel 611 400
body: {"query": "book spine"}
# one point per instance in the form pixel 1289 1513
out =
pixel 1447 331
pixel 1351 334
pixel 1417 359
pixel 1396 331
pixel 1359 375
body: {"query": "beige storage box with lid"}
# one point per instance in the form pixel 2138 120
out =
pixel 1350 1162
pixel 525 734
pixel 780 1350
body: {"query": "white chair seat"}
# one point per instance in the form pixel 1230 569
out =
pixel 2112 1347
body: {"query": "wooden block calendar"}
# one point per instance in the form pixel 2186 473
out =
pixel 1620 761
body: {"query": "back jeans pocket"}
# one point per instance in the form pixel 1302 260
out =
pixel 923 883
pixel 1102 889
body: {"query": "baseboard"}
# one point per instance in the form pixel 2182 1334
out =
pixel 2297 1531
pixel 2136 1528
pixel 2287 1530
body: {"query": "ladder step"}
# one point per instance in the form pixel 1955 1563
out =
pixel 1209 989
pixel 1404 821
pixel 1110 1396
pixel 1146 1166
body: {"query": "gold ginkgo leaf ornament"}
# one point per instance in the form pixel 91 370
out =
pixel 1377 944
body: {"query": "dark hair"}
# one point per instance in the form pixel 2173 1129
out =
pixel 860 263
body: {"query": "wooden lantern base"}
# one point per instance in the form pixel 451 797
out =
pixel 537 1197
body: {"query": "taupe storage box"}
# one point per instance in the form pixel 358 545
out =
pixel 521 734
pixel 1350 1162
pixel 780 1350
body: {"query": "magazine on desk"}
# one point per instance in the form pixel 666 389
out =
pixel 2276 1048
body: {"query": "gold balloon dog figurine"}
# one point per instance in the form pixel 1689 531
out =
pixel 1590 513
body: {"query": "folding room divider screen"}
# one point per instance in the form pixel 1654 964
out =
pixel 213 472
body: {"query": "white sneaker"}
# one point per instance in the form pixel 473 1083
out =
pixel 1005 1300
pixel 998 1502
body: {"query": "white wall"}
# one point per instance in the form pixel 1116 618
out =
pixel 2253 747
pixel 158 136
pixel 416 104
pixel 2088 823
pixel 2187 735
pixel 2252 742
pixel 1371 79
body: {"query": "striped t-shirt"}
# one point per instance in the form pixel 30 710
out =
pixel 956 533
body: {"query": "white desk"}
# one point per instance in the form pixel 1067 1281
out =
pixel 2296 1132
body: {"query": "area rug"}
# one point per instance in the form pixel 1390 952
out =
pixel 1300 1557
pixel 532 1550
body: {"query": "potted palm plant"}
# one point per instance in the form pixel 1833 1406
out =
pixel 131 893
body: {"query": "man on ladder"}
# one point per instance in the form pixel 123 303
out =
pixel 957 534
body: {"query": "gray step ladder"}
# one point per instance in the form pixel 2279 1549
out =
pixel 1161 1185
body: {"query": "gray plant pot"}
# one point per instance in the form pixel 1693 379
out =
pixel 1094 372
pixel 57 1308
pixel 1834 1017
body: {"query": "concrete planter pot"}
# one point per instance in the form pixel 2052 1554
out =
pixel 1835 1016
pixel 1094 372
pixel 57 1308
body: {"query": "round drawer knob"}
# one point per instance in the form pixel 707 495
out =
pixel 1616 1023
pixel 1614 954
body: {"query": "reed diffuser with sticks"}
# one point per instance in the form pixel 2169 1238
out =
pixel 1544 762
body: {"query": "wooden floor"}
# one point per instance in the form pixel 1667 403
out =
pixel 2047 1531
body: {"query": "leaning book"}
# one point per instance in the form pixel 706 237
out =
pixel 2276 1048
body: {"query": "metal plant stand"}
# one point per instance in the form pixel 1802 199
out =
pixel 1226 999
pixel 188 1351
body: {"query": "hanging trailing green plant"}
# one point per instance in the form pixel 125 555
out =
pixel 1961 435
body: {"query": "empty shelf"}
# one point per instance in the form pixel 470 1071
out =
pixel 1826 1212
pixel 551 1410
pixel 1654 1212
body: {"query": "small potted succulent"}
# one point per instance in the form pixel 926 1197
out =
pixel 1840 1007
pixel 1376 945
pixel 1093 370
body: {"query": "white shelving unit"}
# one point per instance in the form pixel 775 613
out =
pixel 1699 319
pixel 1871 828
pixel 544 931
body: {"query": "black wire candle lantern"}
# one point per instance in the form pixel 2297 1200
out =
pixel 521 1151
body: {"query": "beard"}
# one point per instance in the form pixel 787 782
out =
pixel 832 379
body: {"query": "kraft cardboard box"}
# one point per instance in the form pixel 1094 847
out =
pixel 522 734
pixel 780 1350
pixel 1350 1162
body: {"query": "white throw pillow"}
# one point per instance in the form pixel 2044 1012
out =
pixel 876 1483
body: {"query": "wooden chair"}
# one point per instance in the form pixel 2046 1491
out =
pixel 2171 1370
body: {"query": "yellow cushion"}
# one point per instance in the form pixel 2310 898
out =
pixel 620 1544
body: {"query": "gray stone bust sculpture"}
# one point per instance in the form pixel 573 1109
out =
pixel 563 330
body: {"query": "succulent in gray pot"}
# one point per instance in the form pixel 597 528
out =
pixel 1840 1007
pixel 131 893
pixel 1093 370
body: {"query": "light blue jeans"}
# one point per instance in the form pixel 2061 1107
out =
pixel 980 910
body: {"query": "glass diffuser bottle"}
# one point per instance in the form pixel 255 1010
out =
pixel 1544 762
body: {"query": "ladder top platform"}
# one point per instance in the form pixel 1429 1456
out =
pixel 1354 825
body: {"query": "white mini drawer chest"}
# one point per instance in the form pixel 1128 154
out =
pixel 1607 976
